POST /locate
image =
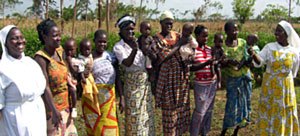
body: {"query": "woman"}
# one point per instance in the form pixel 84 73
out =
pixel 277 108
pixel 172 87
pixel 205 85
pixel 22 110
pixel 239 83
pixel 107 77
pixel 138 99
pixel 55 70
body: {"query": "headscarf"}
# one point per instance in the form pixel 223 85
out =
pixel 125 21
pixel 166 14
pixel 293 37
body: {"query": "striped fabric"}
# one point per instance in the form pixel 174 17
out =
pixel 203 76
pixel 172 91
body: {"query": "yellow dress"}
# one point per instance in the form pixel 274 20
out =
pixel 277 109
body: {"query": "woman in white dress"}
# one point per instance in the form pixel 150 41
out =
pixel 22 111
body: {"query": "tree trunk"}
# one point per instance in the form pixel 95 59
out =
pixel 3 6
pixel 99 12
pixel 74 18
pixel 107 16
pixel 140 14
pixel 290 3
pixel 62 16
pixel 86 16
pixel 47 9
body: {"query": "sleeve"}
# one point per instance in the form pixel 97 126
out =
pixel 113 57
pixel 295 65
pixel 3 83
pixel 118 51
pixel 163 53
pixel 263 56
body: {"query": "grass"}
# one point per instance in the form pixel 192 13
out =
pixel 217 120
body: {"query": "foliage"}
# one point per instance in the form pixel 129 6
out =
pixel 243 9
pixel 200 12
pixel 274 13
pixel 8 4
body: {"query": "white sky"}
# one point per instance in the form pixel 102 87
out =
pixel 181 5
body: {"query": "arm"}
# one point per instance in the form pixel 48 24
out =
pixel 119 88
pixel 47 96
pixel 134 46
pixel 198 66
pixel 256 59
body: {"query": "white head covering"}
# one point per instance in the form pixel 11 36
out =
pixel 293 37
pixel 166 14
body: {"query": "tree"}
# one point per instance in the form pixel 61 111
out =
pixel 107 16
pixel 74 18
pixel 290 8
pixel 274 13
pixel 200 12
pixel 243 9
pixel 99 13
pixel 216 7
pixel 8 4
pixel 61 16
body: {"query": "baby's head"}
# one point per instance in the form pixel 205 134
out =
pixel 85 47
pixel 187 29
pixel 252 39
pixel 218 39
pixel 70 47
pixel 145 28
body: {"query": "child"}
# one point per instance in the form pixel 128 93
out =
pixel 218 55
pixel 72 64
pixel 145 42
pixel 187 51
pixel 246 60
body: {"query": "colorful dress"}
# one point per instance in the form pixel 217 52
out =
pixel 139 119
pixel 204 93
pixel 57 76
pixel 172 89
pixel 277 107
pixel 239 89
pixel 103 122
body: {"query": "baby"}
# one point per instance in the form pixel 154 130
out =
pixel 218 55
pixel 246 60
pixel 145 42
pixel 72 64
pixel 86 59
pixel 187 50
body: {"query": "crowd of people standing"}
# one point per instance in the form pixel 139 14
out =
pixel 38 96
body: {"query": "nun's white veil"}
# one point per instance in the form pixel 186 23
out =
pixel 293 37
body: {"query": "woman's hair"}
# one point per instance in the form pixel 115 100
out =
pixel 228 25
pixel 99 33
pixel 44 27
pixel 199 29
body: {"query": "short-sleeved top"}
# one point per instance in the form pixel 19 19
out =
pixel 103 70
pixel 255 49
pixel 57 75
pixel 203 76
pixel 237 53
pixel 279 59
pixel 122 51
pixel 86 62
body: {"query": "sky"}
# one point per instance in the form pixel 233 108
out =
pixel 181 5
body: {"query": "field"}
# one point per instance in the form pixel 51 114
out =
pixel 217 119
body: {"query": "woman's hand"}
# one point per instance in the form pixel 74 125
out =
pixel 233 62
pixel 184 40
pixel 250 51
pixel 133 44
pixel 56 118
pixel 122 104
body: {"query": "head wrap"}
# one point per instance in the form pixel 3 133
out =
pixel 125 21
pixel 166 14
pixel 293 37
pixel 3 37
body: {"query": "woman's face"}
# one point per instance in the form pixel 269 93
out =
pixel 15 43
pixel 128 32
pixel 232 32
pixel 53 37
pixel 100 43
pixel 166 25
pixel 202 37
pixel 280 34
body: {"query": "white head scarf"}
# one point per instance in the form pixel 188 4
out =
pixel 293 37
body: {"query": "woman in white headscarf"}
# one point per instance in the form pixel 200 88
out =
pixel 277 108
pixel 22 111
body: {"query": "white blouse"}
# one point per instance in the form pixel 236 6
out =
pixel 122 51
pixel 267 57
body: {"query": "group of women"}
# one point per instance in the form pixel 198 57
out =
pixel 28 87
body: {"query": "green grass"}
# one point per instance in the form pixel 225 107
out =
pixel 217 120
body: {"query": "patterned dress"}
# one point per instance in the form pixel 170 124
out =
pixel 57 75
pixel 105 122
pixel 277 108
pixel 204 93
pixel 172 90
pixel 139 119
pixel 239 89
